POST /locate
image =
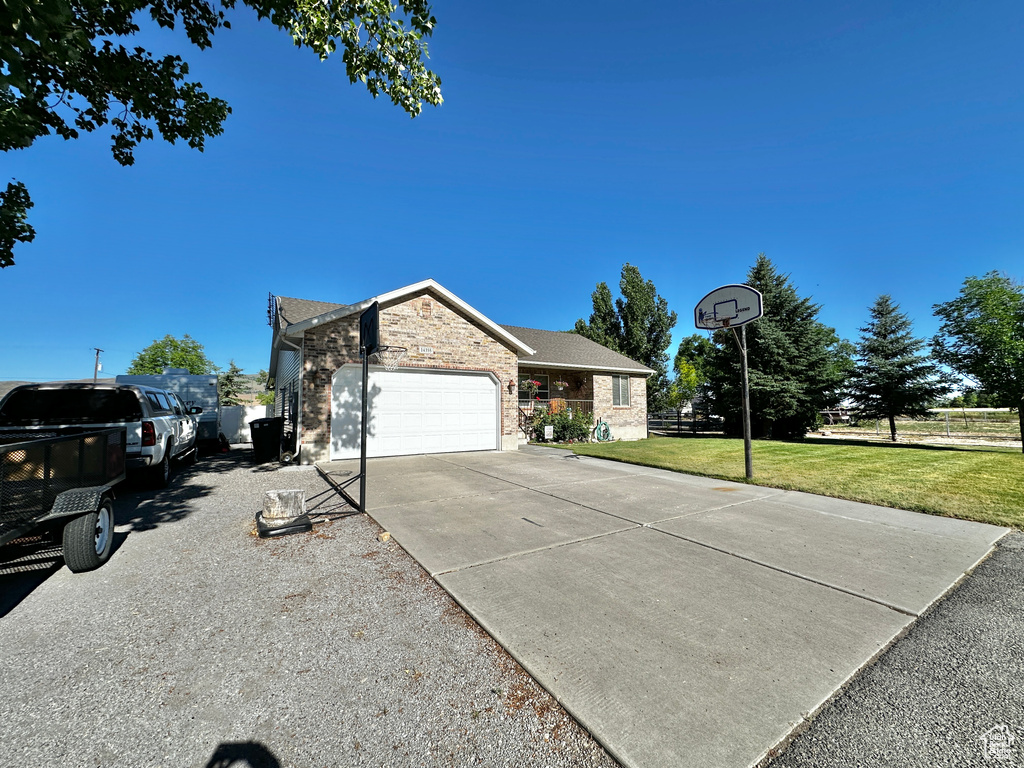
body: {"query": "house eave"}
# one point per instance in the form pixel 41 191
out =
pixel 597 368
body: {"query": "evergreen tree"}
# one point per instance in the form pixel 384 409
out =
pixel 230 385
pixel 639 327
pixel 892 378
pixel 796 364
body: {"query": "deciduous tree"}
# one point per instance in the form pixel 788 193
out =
pixel 982 338
pixel 170 352
pixel 68 66
pixel 690 365
pixel 639 327
pixel 891 377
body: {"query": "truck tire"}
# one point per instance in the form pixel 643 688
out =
pixel 160 475
pixel 89 538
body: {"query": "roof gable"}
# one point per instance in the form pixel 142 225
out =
pixel 331 312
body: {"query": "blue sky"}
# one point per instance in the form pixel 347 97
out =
pixel 865 147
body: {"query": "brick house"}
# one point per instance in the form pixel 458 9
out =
pixel 456 389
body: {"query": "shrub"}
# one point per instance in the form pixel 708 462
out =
pixel 569 426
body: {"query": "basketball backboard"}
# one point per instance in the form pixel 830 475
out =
pixel 728 307
pixel 369 329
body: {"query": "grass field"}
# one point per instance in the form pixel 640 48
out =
pixel 983 484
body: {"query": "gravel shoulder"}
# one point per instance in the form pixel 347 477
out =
pixel 199 643
pixel 951 685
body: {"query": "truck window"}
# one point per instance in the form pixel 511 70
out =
pixel 70 406
pixel 158 401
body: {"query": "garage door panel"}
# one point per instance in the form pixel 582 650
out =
pixel 414 411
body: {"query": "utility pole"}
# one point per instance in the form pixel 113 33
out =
pixel 96 366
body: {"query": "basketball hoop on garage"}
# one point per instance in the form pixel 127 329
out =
pixel 389 357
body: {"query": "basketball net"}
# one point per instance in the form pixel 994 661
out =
pixel 389 357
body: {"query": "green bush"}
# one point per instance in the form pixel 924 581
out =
pixel 569 427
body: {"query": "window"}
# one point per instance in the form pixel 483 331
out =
pixel 543 390
pixel 71 406
pixel 620 391
pixel 158 401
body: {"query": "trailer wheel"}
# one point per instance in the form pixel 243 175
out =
pixel 89 538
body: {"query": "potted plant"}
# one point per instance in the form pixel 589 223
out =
pixel 561 384
pixel 530 386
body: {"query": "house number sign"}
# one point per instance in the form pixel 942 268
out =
pixel 426 350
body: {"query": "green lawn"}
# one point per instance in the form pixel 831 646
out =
pixel 984 484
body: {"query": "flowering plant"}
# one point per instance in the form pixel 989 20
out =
pixel 561 384
pixel 529 386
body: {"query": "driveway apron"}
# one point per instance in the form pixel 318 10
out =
pixel 683 621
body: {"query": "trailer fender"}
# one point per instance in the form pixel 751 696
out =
pixel 78 501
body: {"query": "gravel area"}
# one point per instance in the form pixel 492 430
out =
pixel 200 644
pixel 934 698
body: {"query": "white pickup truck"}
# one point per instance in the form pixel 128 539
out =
pixel 159 426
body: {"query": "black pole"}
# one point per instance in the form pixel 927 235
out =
pixel 748 460
pixel 362 434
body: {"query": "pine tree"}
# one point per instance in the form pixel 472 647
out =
pixel 230 385
pixel 892 378
pixel 796 363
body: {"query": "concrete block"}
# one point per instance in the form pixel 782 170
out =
pixel 283 505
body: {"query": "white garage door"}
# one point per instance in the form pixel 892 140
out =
pixel 414 411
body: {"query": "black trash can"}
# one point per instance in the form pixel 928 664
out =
pixel 266 439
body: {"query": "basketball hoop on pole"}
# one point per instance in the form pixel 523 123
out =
pixel 733 306
pixel 369 344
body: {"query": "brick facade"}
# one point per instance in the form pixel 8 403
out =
pixel 435 335
pixel 626 422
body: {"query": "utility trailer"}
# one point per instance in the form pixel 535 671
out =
pixel 62 486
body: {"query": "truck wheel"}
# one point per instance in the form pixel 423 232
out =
pixel 161 473
pixel 89 538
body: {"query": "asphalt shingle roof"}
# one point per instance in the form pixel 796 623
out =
pixel 561 348
pixel 291 311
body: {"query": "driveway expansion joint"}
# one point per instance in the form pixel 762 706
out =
pixel 794 574
pixel 514 555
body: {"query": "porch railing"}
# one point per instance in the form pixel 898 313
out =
pixel 529 408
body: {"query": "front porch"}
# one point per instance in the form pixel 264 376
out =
pixel 619 399
pixel 552 389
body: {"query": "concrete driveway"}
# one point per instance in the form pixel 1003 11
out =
pixel 683 621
